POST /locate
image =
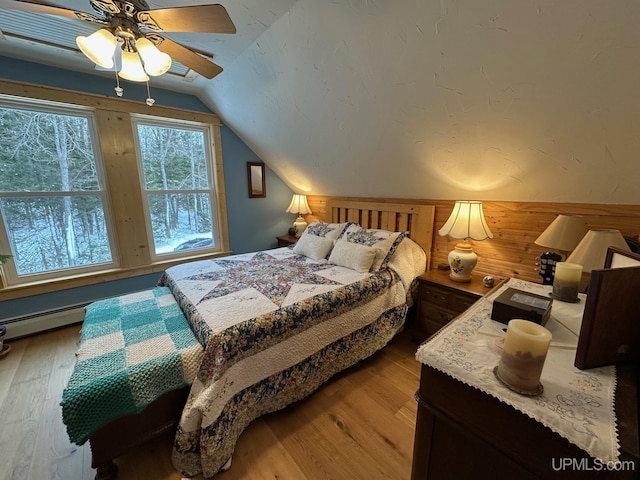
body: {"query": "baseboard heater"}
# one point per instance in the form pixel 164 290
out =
pixel 41 322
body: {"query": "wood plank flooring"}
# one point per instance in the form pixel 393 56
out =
pixel 359 425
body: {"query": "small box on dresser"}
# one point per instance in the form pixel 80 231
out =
pixel 441 299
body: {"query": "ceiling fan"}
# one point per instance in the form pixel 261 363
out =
pixel 131 34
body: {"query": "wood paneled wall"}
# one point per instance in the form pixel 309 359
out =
pixel 515 226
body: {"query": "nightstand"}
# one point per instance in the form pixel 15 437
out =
pixel 441 299
pixel 286 240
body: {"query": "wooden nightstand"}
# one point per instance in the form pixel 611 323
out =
pixel 286 240
pixel 440 300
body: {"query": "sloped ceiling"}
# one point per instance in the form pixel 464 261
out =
pixel 497 100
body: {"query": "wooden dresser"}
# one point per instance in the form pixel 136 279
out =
pixel 464 432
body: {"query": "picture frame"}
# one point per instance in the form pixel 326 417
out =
pixel 609 333
pixel 257 180
pixel 618 258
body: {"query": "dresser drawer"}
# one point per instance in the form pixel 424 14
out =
pixel 435 314
pixel 459 302
pixel 434 294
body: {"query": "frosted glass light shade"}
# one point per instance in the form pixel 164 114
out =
pixel 132 67
pixel 98 47
pixel 564 233
pixel 155 62
pixel 466 221
pixel 299 205
pixel 591 252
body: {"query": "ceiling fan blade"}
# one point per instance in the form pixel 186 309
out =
pixel 198 18
pixel 38 7
pixel 188 58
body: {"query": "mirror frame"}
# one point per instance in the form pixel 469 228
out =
pixel 259 190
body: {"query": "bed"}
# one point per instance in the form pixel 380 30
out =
pixel 276 324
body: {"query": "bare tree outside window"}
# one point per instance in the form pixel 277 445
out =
pixel 176 163
pixel 52 199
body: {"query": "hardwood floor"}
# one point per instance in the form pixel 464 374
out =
pixel 359 425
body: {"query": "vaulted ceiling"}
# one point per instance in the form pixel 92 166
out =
pixel 497 100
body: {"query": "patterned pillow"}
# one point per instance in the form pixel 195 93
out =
pixel 384 241
pixel 318 238
pixel 331 231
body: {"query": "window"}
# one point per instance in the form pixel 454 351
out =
pixel 175 161
pixel 54 213
pixel 86 197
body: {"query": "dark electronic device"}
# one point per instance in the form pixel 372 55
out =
pixel 513 303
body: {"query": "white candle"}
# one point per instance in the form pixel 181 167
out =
pixel 566 282
pixel 525 350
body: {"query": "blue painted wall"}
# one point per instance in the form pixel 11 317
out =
pixel 253 222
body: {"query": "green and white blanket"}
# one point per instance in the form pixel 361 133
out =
pixel 133 349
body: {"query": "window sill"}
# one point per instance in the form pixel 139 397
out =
pixel 74 281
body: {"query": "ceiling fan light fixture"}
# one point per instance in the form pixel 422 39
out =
pixel 155 62
pixel 132 67
pixel 98 47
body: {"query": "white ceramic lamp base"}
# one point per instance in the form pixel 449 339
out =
pixel 462 261
pixel 299 225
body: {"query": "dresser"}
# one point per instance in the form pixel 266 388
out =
pixel 441 299
pixel 470 426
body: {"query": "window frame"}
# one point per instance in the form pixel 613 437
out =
pixel 155 121
pixel 118 153
pixel 56 108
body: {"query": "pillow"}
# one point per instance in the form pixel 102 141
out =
pixel 384 241
pixel 312 246
pixel 326 230
pixel 352 255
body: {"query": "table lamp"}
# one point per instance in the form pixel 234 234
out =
pixel 563 234
pixel 300 207
pixel 591 252
pixel 466 221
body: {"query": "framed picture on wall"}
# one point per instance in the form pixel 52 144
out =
pixel 257 180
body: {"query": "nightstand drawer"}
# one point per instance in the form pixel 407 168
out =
pixel 442 299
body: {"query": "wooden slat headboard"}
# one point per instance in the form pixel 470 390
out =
pixel 397 217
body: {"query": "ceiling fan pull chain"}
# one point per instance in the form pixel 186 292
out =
pixel 150 101
pixel 118 88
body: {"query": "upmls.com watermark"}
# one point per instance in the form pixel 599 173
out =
pixel 591 464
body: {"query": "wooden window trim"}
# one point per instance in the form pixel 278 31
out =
pixel 123 185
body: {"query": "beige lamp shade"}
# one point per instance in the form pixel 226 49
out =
pixel 591 252
pixel 466 221
pixel 299 205
pixel 564 233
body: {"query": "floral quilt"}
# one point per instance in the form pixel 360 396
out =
pixel 275 326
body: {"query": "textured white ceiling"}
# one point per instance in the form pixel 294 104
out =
pixel 500 100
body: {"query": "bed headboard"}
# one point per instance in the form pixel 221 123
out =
pixel 397 217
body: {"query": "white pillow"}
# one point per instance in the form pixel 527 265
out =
pixel 352 255
pixel 384 241
pixel 316 248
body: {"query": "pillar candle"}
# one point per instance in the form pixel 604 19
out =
pixel 525 350
pixel 566 282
